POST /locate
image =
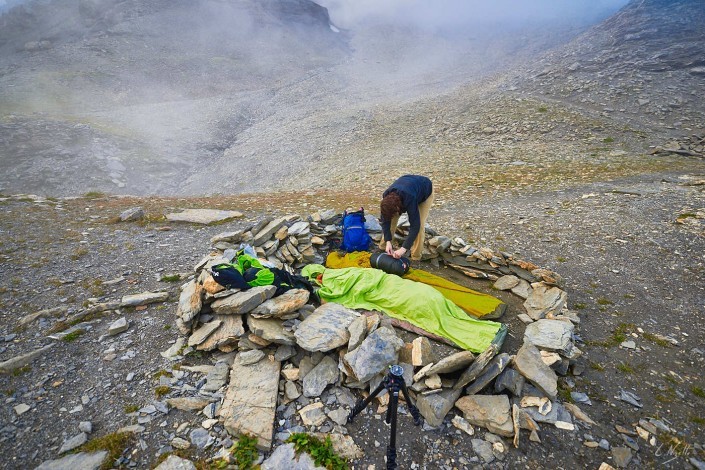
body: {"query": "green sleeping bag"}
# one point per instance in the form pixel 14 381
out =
pixel 417 303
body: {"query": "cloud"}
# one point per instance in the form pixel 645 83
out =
pixel 456 13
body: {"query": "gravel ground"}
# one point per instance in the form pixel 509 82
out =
pixel 628 264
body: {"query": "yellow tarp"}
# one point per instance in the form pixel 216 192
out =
pixel 472 302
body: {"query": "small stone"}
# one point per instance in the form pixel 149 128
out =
pixel 180 443
pixel 118 326
pixel 630 398
pixel 339 416
pixel 313 415
pixel 201 438
pixel 85 426
pixel 291 391
pixel 622 456
pixel 132 214
pixel 72 443
pixel 483 449
pixel 462 424
pixel 22 408
pixel 506 282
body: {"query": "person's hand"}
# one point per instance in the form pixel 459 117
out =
pixel 399 253
pixel 389 249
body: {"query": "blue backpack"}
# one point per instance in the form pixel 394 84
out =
pixel 355 237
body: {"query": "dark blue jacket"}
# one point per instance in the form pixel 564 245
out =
pixel 413 190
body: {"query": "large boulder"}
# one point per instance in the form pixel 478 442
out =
pixel 375 354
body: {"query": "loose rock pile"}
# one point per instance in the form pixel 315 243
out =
pixel 282 355
pixel 691 146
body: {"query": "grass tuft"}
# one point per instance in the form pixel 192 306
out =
pixel 73 336
pixel 131 409
pixel 161 390
pixel 115 443
pixel 21 370
pixel 321 452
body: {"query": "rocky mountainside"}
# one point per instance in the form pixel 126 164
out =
pixel 644 65
pixel 140 97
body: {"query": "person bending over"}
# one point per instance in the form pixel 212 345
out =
pixel 412 194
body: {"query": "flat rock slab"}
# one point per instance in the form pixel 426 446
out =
pixel 288 302
pixel 343 445
pixel 203 216
pixel 493 369
pixel 230 330
pixel 324 374
pixel 203 332
pixel 73 442
pixel 326 328
pixel 553 335
pixel 189 403
pixel 543 300
pixel 135 300
pixel 190 302
pixel 22 360
pixel 82 461
pixel 271 329
pixel 268 230
pixel 251 400
pixel 529 363
pixel 243 302
pixel 452 363
pixel 477 367
pixel 506 282
pixel 492 412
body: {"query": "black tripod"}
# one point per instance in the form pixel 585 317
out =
pixel 393 382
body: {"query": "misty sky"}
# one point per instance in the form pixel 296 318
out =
pixel 454 13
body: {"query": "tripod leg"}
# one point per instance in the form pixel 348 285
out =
pixel 412 409
pixel 361 404
pixel 392 419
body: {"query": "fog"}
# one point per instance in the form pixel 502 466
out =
pixel 454 14
pixel 139 96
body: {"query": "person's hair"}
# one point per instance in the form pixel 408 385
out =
pixel 390 206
